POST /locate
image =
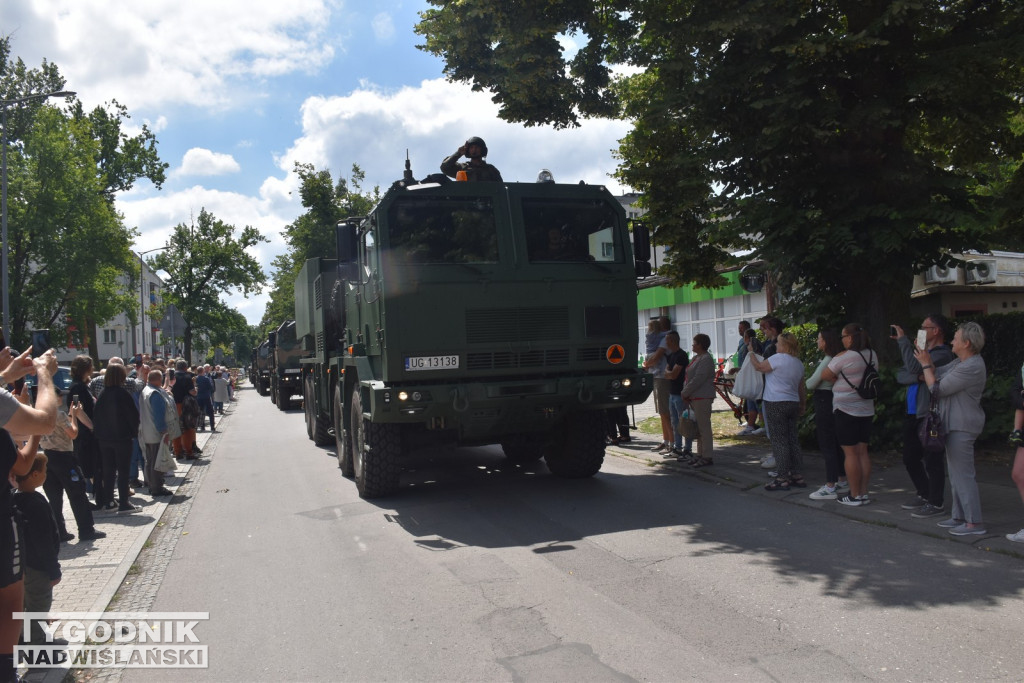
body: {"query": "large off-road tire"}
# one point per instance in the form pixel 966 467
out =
pixel 307 404
pixel 524 449
pixel 342 437
pixel 577 450
pixel 261 387
pixel 322 431
pixel 282 398
pixel 376 449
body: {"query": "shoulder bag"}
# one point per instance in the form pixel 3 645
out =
pixel 748 383
pixel 931 431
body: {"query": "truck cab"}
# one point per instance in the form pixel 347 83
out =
pixel 477 313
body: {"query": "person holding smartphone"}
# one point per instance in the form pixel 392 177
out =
pixel 18 418
pixel 64 474
pixel 927 470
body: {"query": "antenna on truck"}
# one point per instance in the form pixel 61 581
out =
pixel 407 178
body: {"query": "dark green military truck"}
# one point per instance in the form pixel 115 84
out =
pixel 469 314
pixel 262 359
pixel 285 371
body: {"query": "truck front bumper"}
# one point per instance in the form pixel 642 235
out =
pixel 479 408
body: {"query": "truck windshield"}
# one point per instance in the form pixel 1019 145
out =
pixel 443 230
pixel 568 231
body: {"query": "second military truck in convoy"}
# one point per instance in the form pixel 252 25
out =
pixel 468 314
pixel 285 371
pixel 260 372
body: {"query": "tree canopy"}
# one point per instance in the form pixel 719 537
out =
pixel 205 259
pixel 849 143
pixel 70 253
pixel 312 233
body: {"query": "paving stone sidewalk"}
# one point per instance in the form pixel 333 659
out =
pixel 93 571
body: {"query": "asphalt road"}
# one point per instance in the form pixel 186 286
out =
pixel 483 571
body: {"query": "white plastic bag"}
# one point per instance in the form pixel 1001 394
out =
pixel 165 461
pixel 748 383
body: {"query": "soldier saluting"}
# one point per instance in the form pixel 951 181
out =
pixel 476 168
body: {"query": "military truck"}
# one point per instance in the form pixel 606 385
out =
pixel 261 368
pixel 285 371
pixel 470 314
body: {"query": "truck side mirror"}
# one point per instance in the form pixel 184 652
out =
pixel 347 238
pixel 271 340
pixel 642 248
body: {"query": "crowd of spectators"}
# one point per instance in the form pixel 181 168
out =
pixel 943 371
pixel 108 429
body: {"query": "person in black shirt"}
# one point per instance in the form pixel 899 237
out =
pixel 675 371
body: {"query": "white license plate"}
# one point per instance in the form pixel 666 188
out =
pixel 432 363
pixel 292 371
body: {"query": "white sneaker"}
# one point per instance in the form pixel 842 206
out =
pixel 768 463
pixel 747 429
pixel 824 493
pixel 842 486
pixel 758 431
pixel 1017 537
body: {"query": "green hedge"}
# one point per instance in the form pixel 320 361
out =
pixel 1003 354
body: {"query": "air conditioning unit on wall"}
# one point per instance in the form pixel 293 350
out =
pixel 983 272
pixel 940 275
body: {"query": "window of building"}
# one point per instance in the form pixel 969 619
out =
pixel 109 336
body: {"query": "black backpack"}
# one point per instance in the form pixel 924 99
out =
pixel 870 386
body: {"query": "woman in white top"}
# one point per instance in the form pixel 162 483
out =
pixel 783 404
pixel 853 414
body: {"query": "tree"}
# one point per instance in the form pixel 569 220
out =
pixel 849 143
pixel 312 233
pixel 71 260
pixel 204 259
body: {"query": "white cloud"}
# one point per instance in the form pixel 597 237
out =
pixel 383 27
pixel 373 128
pixel 203 162
pixel 172 52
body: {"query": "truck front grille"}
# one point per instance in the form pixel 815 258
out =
pixel 588 355
pixel 511 325
pixel 503 360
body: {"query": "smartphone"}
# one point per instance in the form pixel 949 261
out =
pixel 40 342
pixel 892 330
pixel 922 338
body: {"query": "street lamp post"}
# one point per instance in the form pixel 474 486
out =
pixel 142 292
pixel 3 203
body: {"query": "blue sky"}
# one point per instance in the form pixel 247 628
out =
pixel 238 91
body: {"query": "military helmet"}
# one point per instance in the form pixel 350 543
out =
pixel 476 141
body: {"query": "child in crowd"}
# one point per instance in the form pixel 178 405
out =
pixel 42 544
pixel 652 338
